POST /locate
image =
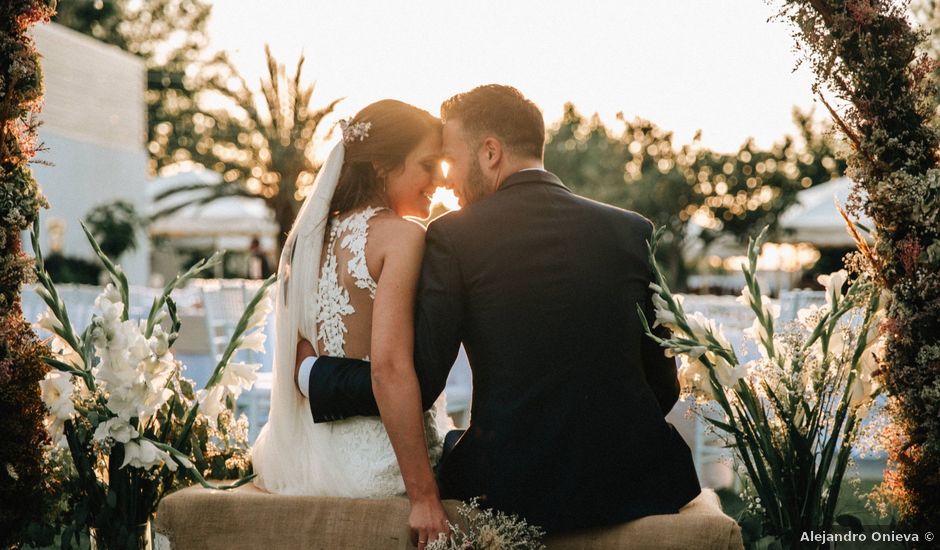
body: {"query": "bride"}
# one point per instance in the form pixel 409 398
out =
pixel 347 279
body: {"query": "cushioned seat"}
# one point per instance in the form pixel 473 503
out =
pixel 247 518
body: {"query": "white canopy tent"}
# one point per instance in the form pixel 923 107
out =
pixel 815 219
pixel 228 222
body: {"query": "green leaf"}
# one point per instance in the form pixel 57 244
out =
pixel 117 274
pixel 725 427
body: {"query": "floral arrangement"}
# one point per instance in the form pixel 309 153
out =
pixel 23 485
pixel 792 415
pixel 881 77
pixel 487 529
pixel 133 425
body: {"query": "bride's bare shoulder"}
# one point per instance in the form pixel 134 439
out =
pixel 391 232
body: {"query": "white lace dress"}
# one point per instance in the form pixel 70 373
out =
pixel 356 453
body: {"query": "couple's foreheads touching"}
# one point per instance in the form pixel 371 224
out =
pixel 394 151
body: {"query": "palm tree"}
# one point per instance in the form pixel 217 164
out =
pixel 265 153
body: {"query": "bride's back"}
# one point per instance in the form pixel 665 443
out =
pixel 347 285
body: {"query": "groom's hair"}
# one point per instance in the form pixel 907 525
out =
pixel 502 112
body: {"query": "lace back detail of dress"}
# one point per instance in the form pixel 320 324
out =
pixel 346 289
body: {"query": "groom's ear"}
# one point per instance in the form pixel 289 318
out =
pixel 492 152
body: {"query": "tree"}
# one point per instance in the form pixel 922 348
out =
pixel 875 67
pixel 744 192
pixel 636 169
pixel 114 225
pixel 171 37
pixel 265 153
pixel 641 169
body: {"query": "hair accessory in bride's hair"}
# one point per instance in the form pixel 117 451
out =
pixel 352 132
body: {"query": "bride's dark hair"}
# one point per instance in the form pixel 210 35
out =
pixel 396 128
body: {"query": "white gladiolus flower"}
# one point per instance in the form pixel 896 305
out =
pixel 837 343
pixel 239 376
pixel 868 362
pixel 48 322
pixel 117 429
pixel 767 306
pixel 64 352
pixel 726 374
pixel 211 402
pixel 745 299
pixel 866 384
pixel 809 316
pixel 109 304
pixel 659 302
pixel 157 371
pixel 665 318
pixel 144 454
pixel 698 324
pixel 693 377
pixel 833 283
pixel 757 331
pixel 254 341
pixel 56 389
pixel 873 334
pixel 56 429
pixel 115 371
pixel 260 316
pixel 862 389
pixel 159 341
pixel 719 333
pixel 770 309
pixel 141 400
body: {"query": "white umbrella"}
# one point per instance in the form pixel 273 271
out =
pixel 815 219
pixel 221 218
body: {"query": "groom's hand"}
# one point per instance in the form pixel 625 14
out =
pixel 427 521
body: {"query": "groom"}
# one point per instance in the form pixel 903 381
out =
pixel 541 287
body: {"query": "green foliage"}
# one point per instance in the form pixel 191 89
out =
pixel 792 416
pixel 115 226
pixel 169 445
pixel 641 169
pixel 24 491
pixel 265 153
pixel 878 66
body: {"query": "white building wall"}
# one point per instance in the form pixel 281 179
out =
pixel 94 125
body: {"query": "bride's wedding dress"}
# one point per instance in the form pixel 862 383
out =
pixel 352 457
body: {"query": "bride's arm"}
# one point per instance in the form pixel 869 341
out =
pixel 394 381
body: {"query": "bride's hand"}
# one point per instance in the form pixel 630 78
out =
pixel 427 521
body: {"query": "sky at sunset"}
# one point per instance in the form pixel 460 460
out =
pixel 717 66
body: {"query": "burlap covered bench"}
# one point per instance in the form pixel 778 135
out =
pixel 247 518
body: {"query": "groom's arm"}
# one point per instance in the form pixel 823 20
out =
pixel 340 388
pixel 438 313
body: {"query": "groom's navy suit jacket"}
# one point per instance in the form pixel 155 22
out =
pixel 541 287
